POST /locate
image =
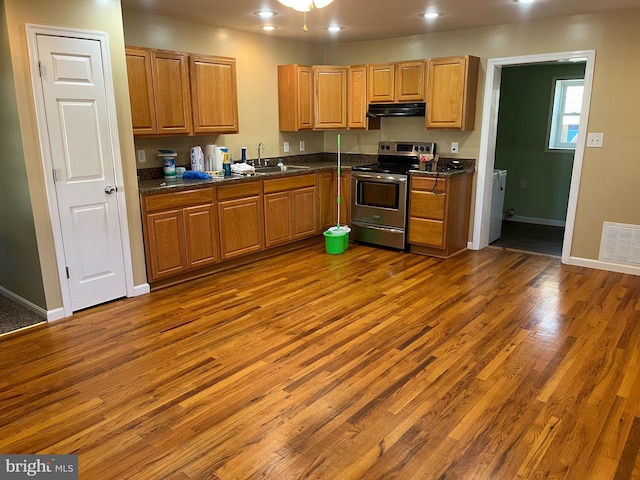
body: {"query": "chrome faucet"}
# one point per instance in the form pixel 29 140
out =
pixel 264 150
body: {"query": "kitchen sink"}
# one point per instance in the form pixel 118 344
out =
pixel 276 168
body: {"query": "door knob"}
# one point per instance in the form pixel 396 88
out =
pixel 109 189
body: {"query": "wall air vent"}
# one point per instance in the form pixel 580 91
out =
pixel 620 243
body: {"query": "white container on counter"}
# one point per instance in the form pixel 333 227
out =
pixel 168 158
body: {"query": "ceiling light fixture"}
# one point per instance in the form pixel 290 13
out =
pixel 430 15
pixel 524 1
pixel 266 13
pixel 268 28
pixel 334 28
pixel 305 6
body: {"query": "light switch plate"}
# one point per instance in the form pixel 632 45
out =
pixel 286 147
pixel 454 147
pixel 302 145
pixel 141 156
pixel 594 140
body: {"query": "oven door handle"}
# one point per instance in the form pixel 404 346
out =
pixel 387 178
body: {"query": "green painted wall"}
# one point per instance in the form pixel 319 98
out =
pixel 19 262
pixel 525 101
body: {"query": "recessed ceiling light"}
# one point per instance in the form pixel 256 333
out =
pixel 268 28
pixel 430 15
pixel 524 1
pixel 266 13
pixel 334 28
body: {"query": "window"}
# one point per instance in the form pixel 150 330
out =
pixel 565 116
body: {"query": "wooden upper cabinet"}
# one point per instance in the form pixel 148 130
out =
pixel 381 85
pixel 357 104
pixel 171 91
pixel 397 82
pixel 452 85
pixel 139 72
pixel 295 97
pixel 410 81
pixel 214 94
pixel 330 97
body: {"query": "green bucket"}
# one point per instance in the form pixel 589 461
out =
pixel 336 239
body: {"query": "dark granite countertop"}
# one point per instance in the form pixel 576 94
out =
pixel 160 185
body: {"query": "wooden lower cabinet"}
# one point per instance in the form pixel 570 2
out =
pixel 439 210
pixel 180 231
pixel 277 218
pixel 290 209
pixel 326 199
pixel 240 214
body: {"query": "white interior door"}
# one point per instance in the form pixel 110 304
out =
pixel 82 157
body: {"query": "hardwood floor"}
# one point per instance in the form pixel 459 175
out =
pixel 371 364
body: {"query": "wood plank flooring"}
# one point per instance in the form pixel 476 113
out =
pixel 372 364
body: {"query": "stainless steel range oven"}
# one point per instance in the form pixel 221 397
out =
pixel 379 194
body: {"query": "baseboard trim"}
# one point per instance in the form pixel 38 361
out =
pixel 536 221
pixel 55 314
pixel 600 265
pixel 142 289
pixel 25 303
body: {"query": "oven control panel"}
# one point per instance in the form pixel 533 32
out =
pixel 408 149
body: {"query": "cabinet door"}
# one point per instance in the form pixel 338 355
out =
pixel 327 206
pixel 277 218
pixel 295 98
pixel 381 86
pixel 171 91
pixel 241 226
pixel 427 205
pixel 304 212
pixel 451 92
pixel 201 234
pixel 357 103
pixel 143 108
pixel 424 231
pixel 410 82
pixel 214 94
pixel 166 252
pixel 330 97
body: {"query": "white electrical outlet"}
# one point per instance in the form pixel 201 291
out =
pixel 523 183
pixel 142 157
pixel 302 145
pixel 454 147
pixel 594 140
pixel 286 147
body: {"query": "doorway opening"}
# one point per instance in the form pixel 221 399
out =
pixel 489 136
pixel 538 121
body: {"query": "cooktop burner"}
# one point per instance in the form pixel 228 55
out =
pixel 398 157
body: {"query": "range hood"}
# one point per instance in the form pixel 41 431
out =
pixel 396 110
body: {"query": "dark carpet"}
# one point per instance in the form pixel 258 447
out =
pixel 14 316
pixel 531 237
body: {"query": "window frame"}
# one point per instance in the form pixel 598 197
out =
pixel 554 125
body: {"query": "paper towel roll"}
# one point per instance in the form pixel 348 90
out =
pixel 209 157
pixel 218 158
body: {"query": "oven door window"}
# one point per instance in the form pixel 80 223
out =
pixel 370 193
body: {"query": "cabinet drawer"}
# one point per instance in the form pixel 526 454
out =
pixel 428 184
pixel 426 232
pixel 427 205
pixel 239 190
pixel 289 183
pixel 164 201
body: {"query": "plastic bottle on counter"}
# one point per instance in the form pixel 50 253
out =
pixel 243 151
pixel 226 162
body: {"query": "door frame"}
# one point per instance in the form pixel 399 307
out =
pixel 47 163
pixel 488 135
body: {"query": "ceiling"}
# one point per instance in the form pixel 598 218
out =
pixel 369 19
